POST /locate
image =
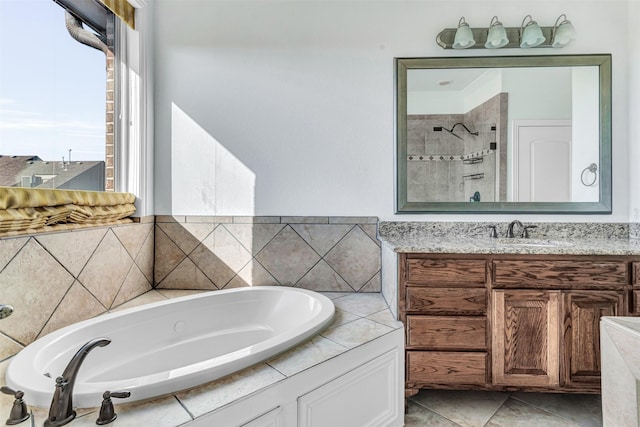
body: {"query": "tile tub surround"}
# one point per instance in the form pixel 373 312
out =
pixel 470 238
pixel 360 318
pixel 317 253
pixel 54 280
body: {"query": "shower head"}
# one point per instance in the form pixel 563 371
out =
pixel 441 128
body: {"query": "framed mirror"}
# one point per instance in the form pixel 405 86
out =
pixel 517 134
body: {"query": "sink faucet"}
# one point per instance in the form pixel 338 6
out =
pixel 61 411
pixel 510 229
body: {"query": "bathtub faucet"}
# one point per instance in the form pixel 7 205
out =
pixel 61 411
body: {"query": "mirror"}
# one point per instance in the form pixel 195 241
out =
pixel 522 134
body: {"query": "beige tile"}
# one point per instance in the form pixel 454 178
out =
pixel 106 269
pixel 9 248
pixel 356 258
pixel 467 408
pixel 134 285
pixel 176 293
pixel 78 304
pixel 361 304
pixel 252 274
pixel 254 237
pixel 167 255
pixel 161 412
pixel 220 256
pixel 373 285
pixel 144 260
pixel 372 232
pixel 133 237
pixel 33 283
pixel 341 317
pixel 417 416
pixel 517 414
pixel 208 397
pixel 322 237
pixel 334 295
pixel 8 347
pixel 353 220
pixel 6 401
pixel 73 248
pixel 210 219
pixel 148 298
pixel 187 235
pixel 170 218
pixel 304 219
pixel 322 278
pixel 304 356
pixel 256 220
pixel 187 276
pixel 386 318
pixel 288 257
pixel 585 409
pixel 355 333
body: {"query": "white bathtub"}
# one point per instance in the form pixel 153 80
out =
pixel 168 346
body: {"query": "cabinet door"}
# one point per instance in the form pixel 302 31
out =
pixel 525 336
pixel 582 333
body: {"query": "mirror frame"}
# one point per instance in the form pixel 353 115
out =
pixel 602 61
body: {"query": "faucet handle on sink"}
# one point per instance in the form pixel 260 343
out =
pixel 107 413
pixel 492 231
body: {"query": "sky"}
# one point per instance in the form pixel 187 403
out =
pixel 52 88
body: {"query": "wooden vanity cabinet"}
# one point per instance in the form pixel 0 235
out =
pixel 509 322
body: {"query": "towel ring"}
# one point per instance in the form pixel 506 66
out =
pixel 593 168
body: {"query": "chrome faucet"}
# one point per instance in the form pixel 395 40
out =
pixel 61 411
pixel 510 228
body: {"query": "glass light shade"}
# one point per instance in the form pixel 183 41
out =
pixel 563 34
pixel 464 36
pixel 497 36
pixel 531 35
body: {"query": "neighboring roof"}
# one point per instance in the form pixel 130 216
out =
pixel 13 168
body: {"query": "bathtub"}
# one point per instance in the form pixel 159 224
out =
pixel 171 345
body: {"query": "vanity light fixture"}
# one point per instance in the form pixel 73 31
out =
pixel 464 36
pixel 497 36
pixel 528 35
pixel 563 32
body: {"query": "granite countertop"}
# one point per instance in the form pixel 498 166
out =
pixel 359 318
pixel 473 238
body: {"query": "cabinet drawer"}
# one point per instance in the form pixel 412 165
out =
pixel 444 367
pixel 635 308
pixel 559 274
pixel 471 301
pixel 446 272
pixel 447 332
pixel 635 273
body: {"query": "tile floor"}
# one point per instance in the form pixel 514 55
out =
pixel 442 408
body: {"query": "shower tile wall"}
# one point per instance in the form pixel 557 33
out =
pixel 53 280
pixel 434 168
pixel 435 158
pixel 318 253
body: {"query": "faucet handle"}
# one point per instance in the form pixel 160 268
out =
pixel 19 411
pixel 492 231
pixel 107 413
pixel 525 230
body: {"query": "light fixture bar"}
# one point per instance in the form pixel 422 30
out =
pixel 446 37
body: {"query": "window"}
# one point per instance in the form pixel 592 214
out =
pixel 56 95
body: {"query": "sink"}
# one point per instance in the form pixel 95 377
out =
pixel 533 243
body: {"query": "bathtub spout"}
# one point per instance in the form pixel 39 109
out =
pixel 61 411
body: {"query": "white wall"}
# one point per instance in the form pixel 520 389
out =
pixel 300 93
pixel 633 110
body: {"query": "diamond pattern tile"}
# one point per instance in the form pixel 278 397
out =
pixel 322 278
pixel 106 270
pixel 288 257
pixel 144 260
pixel 252 274
pixel 30 274
pixel 356 258
pixel 134 285
pixel 254 237
pixel 133 236
pixel 321 237
pixel 187 276
pixel 187 236
pixel 74 249
pixel 167 255
pixel 220 256
pixel 9 248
